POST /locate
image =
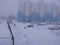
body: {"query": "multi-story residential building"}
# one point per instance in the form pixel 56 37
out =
pixel 39 8
pixel 54 9
pixel 27 6
pixel 42 8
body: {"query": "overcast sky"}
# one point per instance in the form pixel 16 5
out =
pixel 11 6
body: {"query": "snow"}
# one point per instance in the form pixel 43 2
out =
pixel 4 31
pixel 37 35
pixel 5 37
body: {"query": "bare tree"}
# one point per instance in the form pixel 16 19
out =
pixel 11 17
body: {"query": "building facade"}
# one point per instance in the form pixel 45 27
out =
pixel 40 11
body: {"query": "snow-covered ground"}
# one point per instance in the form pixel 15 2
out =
pixel 37 35
pixel 24 35
pixel 5 36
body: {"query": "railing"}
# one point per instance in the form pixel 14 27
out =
pixel 10 32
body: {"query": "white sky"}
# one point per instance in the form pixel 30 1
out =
pixel 47 1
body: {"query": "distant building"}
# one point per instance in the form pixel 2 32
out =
pixel 27 8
